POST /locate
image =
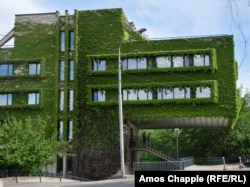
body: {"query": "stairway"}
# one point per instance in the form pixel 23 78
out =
pixel 135 145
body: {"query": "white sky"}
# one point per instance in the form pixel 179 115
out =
pixel 162 18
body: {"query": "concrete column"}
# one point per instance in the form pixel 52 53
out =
pixel 64 165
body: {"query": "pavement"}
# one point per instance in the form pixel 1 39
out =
pixel 221 167
pixel 217 167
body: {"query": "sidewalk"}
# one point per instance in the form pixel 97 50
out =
pixel 217 167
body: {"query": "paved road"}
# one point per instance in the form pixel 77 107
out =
pixel 105 183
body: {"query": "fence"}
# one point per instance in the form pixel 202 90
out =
pixel 163 165
pixel 38 176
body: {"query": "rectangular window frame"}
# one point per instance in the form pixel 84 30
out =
pixel 34 68
pixel 6 69
pixel 6 99
pixel 33 98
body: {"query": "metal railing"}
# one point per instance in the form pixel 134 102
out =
pixel 137 142
pixel 32 173
pixel 163 165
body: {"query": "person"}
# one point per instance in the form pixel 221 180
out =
pixel 144 137
pixel 148 139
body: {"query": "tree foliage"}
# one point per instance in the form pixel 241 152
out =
pixel 27 144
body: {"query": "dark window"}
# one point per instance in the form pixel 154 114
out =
pixel 71 40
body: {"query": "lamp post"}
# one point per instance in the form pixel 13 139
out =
pixel 177 143
pixel 120 111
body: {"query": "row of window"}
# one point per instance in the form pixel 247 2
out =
pixel 34 68
pixel 161 62
pixel 69 130
pixel 70 70
pixel 161 93
pixel 33 98
pixel 71 41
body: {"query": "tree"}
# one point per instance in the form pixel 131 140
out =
pixel 27 144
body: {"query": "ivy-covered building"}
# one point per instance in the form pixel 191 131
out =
pixel 66 66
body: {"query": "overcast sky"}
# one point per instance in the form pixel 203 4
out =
pixel 161 18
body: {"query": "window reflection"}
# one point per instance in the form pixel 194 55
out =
pixel 34 68
pixel 61 70
pixel 71 70
pixel 71 40
pixel 99 95
pixel 5 99
pixel 99 65
pixel 203 92
pixel 33 98
pixel 6 69
pixel 71 99
pixel 70 130
pixel 163 62
pixel 62 41
pixel 61 100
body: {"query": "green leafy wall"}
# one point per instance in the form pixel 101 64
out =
pixel 98 35
pixel 34 42
pixel 221 75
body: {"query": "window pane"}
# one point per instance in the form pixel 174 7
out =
pixel 71 99
pixel 71 40
pixel 61 100
pixel 132 64
pixel 5 99
pixel 6 69
pixel 132 94
pixel 71 70
pixel 62 41
pixel 206 60
pixel 178 61
pixel 34 68
pixel 165 93
pixel 203 92
pixel 61 70
pixel 163 62
pixel 33 98
pixel 99 65
pixel 60 130
pixel 142 63
pixel 198 60
pixel 179 93
pixel 99 95
pixel 187 93
pixel 125 64
pixel 188 60
pixel 142 95
pixel 70 130
pixel 125 95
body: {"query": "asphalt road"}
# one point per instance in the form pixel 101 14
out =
pixel 104 183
